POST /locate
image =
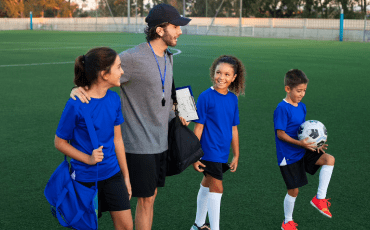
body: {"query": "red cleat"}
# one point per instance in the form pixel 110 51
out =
pixel 291 225
pixel 322 205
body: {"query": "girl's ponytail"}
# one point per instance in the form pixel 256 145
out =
pixel 80 73
pixel 89 66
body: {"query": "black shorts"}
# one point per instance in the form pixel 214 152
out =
pixel 112 194
pixel 147 172
pixel 215 169
pixel 295 174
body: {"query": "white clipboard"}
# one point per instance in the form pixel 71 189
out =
pixel 186 104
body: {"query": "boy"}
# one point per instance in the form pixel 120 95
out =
pixel 295 157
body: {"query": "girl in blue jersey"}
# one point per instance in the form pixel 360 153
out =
pixel 98 70
pixel 217 130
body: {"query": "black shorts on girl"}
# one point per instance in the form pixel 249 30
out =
pixel 294 174
pixel 147 172
pixel 112 194
pixel 215 169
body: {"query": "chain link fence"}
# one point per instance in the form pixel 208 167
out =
pixel 315 29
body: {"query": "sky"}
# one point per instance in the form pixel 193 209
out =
pixel 92 4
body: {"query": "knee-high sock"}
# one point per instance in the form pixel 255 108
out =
pixel 214 205
pixel 324 179
pixel 289 202
pixel 202 201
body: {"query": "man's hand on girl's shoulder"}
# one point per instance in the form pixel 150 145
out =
pixel 81 94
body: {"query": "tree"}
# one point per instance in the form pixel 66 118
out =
pixel 12 8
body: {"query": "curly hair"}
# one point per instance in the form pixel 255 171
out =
pixel 151 32
pixel 238 85
pixel 295 77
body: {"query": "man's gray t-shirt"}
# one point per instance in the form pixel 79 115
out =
pixel 145 130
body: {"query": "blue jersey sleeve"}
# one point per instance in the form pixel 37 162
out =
pixel 201 109
pixel 280 118
pixel 119 119
pixel 67 122
pixel 236 120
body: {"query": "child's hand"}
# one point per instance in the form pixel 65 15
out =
pixel 96 156
pixel 234 164
pixel 306 145
pixel 321 149
pixel 128 186
pixel 197 166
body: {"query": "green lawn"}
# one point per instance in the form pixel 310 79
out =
pixel 33 97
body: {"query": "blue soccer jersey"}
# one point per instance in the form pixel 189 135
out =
pixel 288 118
pixel 105 114
pixel 218 113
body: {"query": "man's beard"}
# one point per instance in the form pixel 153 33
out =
pixel 168 40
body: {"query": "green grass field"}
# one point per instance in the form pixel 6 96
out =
pixel 36 76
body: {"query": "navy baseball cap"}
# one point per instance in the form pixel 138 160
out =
pixel 165 13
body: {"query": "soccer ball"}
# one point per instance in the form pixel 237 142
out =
pixel 315 131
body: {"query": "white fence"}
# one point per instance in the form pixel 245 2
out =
pixel 316 29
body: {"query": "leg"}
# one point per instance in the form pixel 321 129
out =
pixel 214 201
pixel 326 159
pixel 289 203
pixel 202 200
pixel 144 212
pixel 122 220
pixel 319 202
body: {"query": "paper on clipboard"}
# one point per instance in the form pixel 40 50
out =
pixel 186 104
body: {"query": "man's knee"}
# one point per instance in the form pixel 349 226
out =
pixel 147 202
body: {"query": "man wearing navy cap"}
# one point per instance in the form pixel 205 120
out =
pixel 146 106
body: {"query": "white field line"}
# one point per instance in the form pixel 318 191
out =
pixel 61 63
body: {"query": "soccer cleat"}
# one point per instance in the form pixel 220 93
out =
pixel 204 227
pixel 322 205
pixel 291 225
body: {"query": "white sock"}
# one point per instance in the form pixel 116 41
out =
pixel 202 201
pixel 214 205
pixel 289 202
pixel 324 179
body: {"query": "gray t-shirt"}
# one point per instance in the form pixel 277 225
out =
pixel 145 130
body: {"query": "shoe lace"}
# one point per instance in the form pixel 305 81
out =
pixel 294 224
pixel 326 201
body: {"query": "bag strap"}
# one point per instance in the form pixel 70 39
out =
pixel 173 90
pixel 93 136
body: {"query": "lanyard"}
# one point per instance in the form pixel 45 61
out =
pixel 163 79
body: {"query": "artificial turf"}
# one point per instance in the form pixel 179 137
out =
pixel 36 76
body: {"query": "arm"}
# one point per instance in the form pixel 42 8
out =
pixel 121 157
pixel 235 147
pixel 303 143
pixel 81 94
pixel 70 151
pixel 198 130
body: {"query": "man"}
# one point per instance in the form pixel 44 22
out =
pixel 146 106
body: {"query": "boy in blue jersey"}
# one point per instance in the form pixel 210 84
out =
pixel 217 130
pixel 295 157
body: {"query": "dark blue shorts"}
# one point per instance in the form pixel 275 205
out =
pixel 215 169
pixel 294 174
pixel 112 194
pixel 147 172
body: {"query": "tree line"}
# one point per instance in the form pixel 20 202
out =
pixel 353 9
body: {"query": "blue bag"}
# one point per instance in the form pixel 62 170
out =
pixel 75 205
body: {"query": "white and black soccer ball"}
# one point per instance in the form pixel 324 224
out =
pixel 315 131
